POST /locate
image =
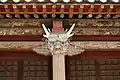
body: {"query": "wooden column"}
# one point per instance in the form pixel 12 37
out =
pixel 58 58
pixel 58 67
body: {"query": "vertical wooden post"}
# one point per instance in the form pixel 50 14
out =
pixel 58 58
pixel 58 67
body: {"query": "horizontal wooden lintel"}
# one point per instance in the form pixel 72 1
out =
pixel 87 54
pixel 74 38
pixel 97 54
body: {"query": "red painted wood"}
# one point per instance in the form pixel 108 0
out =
pixel 74 38
pixel 76 8
pixel 29 8
pixel 21 38
pixel 87 54
pixel 58 7
pixel 96 38
pixel 21 55
pixel 49 8
pixel 98 54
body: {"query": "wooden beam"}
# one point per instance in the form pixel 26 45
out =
pixel 21 37
pixel 91 8
pixel 111 7
pixel 98 54
pixel 6 9
pixel 100 9
pixel 95 38
pixel 21 55
pixel 33 10
pixel 81 8
pixel 74 38
pixel 80 12
pixel 15 8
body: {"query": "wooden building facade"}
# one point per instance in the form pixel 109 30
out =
pixel 97 30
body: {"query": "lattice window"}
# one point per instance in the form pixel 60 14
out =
pixel 8 70
pixel 81 70
pixel 35 70
pixel 26 70
pixel 110 69
pixel 93 69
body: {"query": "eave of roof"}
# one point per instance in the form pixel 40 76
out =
pixel 59 8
